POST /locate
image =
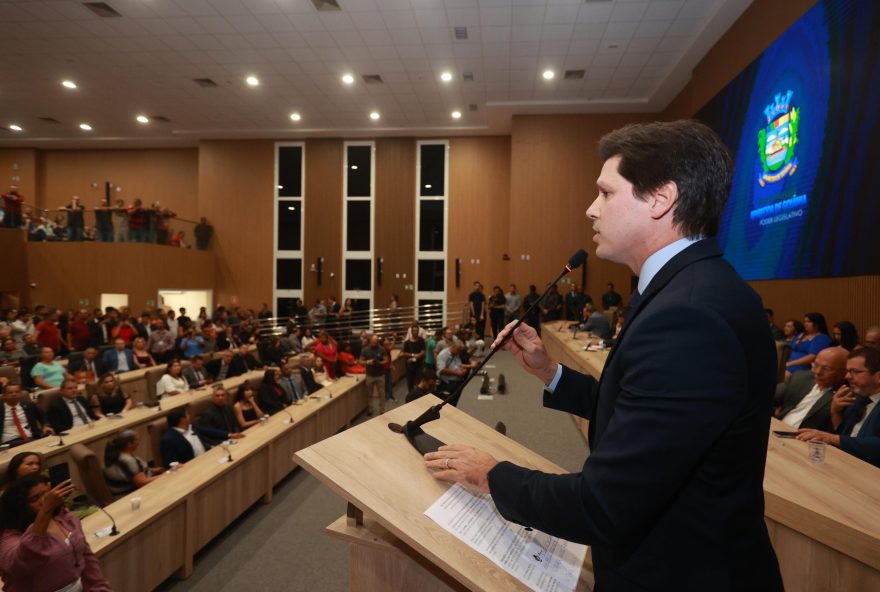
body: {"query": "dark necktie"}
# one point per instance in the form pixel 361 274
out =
pixel 856 413
pixel 634 302
pixel 79 412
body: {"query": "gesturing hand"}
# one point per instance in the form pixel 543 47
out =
pixel 528 349
pixel 462 464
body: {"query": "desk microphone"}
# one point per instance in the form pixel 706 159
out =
pixel 425 443
pixel 113 530
pixel 288 415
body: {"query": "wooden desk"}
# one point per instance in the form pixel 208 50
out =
pixel 824 520
pixel 180 513
pixel 378 472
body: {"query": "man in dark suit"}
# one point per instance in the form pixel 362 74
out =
pixel 220 417
pixel 20 419
pixel 308 375
pixel 183 441
pixel 805 400
pixel 86 365
pixel 671 496
pixel 118 359
pixel 196 375
pixel 854 410
pixel 221 368
pixel 244 361
pixel 70 410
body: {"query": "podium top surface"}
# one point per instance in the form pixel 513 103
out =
pixel 379 472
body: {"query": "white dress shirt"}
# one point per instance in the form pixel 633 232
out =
pixel 874 398
pixel 799 413
pixel 121 361
pixel 75 409
pixel 10 432
pixel 193 439
pixel 169 384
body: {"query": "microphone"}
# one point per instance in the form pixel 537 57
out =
pixel 425 443
pixel 113 531
pixel 288 415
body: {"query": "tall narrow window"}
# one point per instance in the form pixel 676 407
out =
pixel 358 227
pixel 288 238
pixel 432 214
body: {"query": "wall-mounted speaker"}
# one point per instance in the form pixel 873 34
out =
pixel 379 262
pixel 319 268
pixel 458 273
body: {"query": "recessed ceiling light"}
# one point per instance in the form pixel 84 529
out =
pixel 85 127
pixel 295 116
pixel 354 167
pixel 143 119
pixel 348 79
pixel 15 127
pixel 548 74
pixel 252 81
pixel 375 115
pixel 428 186
pixel 446 76
pixel 291 208
pixel 456 115
pixel 281 187
pixel 68 84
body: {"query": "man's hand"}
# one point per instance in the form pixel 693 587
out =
pixel 809 435
pixel 462 464
pixel 843 398
pixel 236 436
pixel 528 349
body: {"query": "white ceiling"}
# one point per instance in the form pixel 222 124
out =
pixel 637 55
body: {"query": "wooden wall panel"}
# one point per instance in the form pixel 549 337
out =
pixel 395 212
pixel 236 192
pixel 169 176
pixel 479 213
pixel 554 166
pixel 64 273
pixel 323 211
pixel 14 277
pixel 18 166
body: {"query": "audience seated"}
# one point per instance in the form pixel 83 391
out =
pixel 42 545
pixel 845 335
pixel 22 465
pixel 22 421
pixel 70 410
pixel 244 362
pixel 271 397
pixel 220 416
pixel 325 350
pixel 775 331
pixel 183 441
pixel 855 414
pixel 293 389
pixel 805 400
pixel 85 368
pixel 872 337
pixel 140 353
pixel 48 373
pixel 348 364
pixel 221 368
pixel 109 398
pixel 123 471
pixel 805 346
pixel 118 359
pixel 427 384
pixel 247 410
pixel 196 374
pixel 306 371
pixel 172 382
pixel 595 322
pixel 10 353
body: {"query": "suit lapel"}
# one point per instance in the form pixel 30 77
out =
pixel 820 402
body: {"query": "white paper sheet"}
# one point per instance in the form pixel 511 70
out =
pixel 540 561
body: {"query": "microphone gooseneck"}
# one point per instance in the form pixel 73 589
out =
pixel 425 443
pixel 113 530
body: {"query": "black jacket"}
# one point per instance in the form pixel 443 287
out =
pixel 34 417
pixel 671 496
pixel 60 416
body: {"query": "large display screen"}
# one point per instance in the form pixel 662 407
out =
pixel 802 123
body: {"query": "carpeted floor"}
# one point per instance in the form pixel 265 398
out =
pixel 282 545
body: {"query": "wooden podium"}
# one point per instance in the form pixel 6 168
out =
pixel 394 546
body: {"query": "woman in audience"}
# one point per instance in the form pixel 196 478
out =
pixel 42 545
pixel 48 373
pixel 172 383
pixel 271 397
pixel 109 397
pixel 347 362
pixel 845 335
pixel 809 343
pixel 247 411
pixel 123 471
pixel 326 349
pixel 792 330
pixel 22 465
pixel 308 339
pixel 140 353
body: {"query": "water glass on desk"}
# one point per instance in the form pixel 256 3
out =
pixel 816 451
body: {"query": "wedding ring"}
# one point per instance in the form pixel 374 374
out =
pixel 446 466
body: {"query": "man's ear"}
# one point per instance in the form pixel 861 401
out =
pixel 663 199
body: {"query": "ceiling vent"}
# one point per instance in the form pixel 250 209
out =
pixel 574 75
pixel 472 107
pixel 372 79
pixel 48 120
pixel 159 118
pixel 205 82
pixel 102 9
pixel 326 5
pixel 468 76
pixel 460 33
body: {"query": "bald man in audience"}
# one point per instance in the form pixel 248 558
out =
pixel 805 400
pixel 872 337
pixel 854 410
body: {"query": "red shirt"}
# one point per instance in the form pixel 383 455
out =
pixel 12 203
pixel 127 333
pixel 79 334
pixel 48 335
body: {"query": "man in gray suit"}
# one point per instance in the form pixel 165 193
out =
pixel 805 400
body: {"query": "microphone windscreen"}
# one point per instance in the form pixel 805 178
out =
pixel 577 259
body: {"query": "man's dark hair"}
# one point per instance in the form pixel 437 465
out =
pixel 15 512
pixel 175 415
pixel 871 356
pixel 818 319
pixel 769 311
pixel 686 152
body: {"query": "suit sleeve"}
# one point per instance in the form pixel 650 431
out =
pixel 56 416
pixel 864 447
pixel 575 393
pixel 684 384
pixel 204 431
